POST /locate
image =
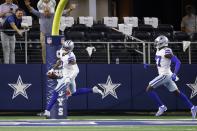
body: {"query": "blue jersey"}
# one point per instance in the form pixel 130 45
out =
pixel 7 26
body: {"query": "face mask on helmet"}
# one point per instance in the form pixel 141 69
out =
pixel 68 46
pixel 161 41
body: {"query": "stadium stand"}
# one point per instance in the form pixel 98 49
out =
pixel 164 29
pixel 194 37
pixel 87 33
pixel 181 36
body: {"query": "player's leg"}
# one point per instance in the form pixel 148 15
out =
pixel 154 96
pixel 80 91
pixel 183 97
pixel 61 86
pixel 156 82
pixel 172 87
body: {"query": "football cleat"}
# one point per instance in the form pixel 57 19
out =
pixel 161 110
pixel 95 89
pixel 194 111
pixel 45 113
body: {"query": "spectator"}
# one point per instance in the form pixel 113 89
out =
pixel 46 21
pixel 189 21
pixel 42 4
pixel 46 3
pixel 11 26
pixel 7 9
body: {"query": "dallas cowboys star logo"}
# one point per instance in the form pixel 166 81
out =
pixel 109 88
pixel 193 87
pixel 19 88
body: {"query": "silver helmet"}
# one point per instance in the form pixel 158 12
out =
pixel 68 46
pixel 161 41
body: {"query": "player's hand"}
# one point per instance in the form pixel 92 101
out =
pixel 50 71
pixel 146 66
pixel 174 77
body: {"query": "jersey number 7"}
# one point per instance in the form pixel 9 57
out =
pixel 158 60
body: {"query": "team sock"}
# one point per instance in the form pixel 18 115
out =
pixel 81 91
pixel 156 98
pixel 186 100
pixel 52 101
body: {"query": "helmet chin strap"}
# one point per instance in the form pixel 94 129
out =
pixel 66 52
pixel 162 47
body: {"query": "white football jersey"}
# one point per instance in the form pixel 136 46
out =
pixel 66 59
pixel 163 63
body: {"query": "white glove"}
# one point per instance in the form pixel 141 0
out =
pixel 50 71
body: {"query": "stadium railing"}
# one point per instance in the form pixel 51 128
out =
pixel 29 52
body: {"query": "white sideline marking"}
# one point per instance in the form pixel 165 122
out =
pixel 141 119
pixel 12 123
pixel 60 120
pixel 79 123
pixel 98 122
pixel 51 123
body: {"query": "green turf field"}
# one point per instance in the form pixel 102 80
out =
pixel 132 128
pixel 100 128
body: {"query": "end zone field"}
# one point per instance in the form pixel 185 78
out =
pixel 98 123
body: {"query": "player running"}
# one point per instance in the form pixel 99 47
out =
pixel 66 80
pixel 164 57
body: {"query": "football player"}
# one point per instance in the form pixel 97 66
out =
pixel 164 57
pixel 67 62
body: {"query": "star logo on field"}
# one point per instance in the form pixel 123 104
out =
pixel 193 87
pixel 19 88
pixel 109 88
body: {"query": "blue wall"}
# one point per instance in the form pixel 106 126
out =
pixel 29 74
pixel 130 82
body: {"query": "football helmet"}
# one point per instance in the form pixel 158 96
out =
pixel 68 46
pixel 161 41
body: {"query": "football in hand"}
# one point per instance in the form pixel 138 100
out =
pixel 52 75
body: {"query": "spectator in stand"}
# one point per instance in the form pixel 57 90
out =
pixel 46 21
pixel 46 3
pixel 10 27
pixel 189 21
pixel 7 8
pixel 42 4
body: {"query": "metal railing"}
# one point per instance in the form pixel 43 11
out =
pixel 25 40
pixel 141 52
pixel 106 52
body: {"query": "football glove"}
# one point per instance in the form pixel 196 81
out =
pixel 174 77
pixel 146 66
